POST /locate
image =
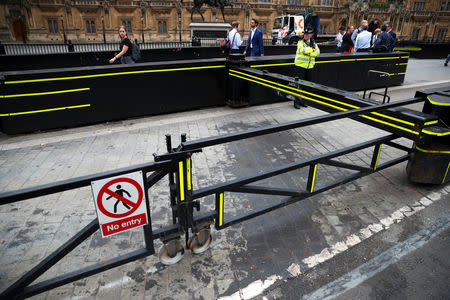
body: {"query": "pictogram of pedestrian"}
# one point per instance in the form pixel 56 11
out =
pixel 119 192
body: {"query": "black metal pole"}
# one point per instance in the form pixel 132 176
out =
pixel 142 29
pixel 64 31
pixel 103 25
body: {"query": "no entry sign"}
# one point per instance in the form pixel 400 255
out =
pixel 120 203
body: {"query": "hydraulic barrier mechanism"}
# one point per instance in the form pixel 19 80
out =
pixel 185 200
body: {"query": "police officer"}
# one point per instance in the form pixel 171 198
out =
pixel 305 58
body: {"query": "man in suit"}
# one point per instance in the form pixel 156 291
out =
pixel 255 40
pixel 392 33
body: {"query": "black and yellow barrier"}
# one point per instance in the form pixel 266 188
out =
pixel 67 97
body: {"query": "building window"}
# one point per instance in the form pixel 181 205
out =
pixel 441 34
pixel 325 2
pixel 295 2
pixel 322 29
pixel 53 26
pixel 264 0
pixel 419 6
pixel 415 34
pixel 162 27
pixel 90 26
pixel 127 26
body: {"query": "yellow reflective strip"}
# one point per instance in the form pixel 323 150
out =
pixel 315 100
pixel 446 172
pixel 221 209
pixel 432 122
pixel 45 93
pixel 407 48
pixel 271 65
pixel 402 64
pixel 111 74
pixel 327 61
pixel 188 168
pixel 297 90
pixel 378 156
pixel 389 124
pixel 432 151
pixel 392 118
pixel 404 57
pixel 44 110
pixel 436 133
pixel 289 92
pixel 378 58
pixel 180 172
pixel 437 103
pixel 314 178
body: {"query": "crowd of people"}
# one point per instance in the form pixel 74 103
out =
pixel 350 40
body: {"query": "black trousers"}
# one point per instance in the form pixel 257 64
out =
pixel 302 73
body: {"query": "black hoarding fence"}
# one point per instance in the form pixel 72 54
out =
pixel 177 164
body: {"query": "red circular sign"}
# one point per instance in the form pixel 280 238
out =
pixel 134 206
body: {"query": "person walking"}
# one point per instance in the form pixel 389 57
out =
pixel 339 37
pixel 125 48
pixel 347 43
pixel 234 37
pixel 447 60
pixel 255 40
pixel 305 59
pixel 363 39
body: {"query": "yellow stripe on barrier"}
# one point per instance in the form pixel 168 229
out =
pixel 271 65
pixel 446 172
pixel 315 100
pixel 401 64
pixel 432 151
pixel 435 133
pixel 438 103
pixel 378 156
pixel 431 122
pixel 188 169
pixel 111 74
pixel 289 92
pixel 314 178
pixel 181 181
pixel 44 110
pixel 394 119
pixel 45 93
pixel 390 124
pixel 327 61
pixel 221 209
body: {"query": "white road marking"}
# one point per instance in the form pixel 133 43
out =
pixel 380 262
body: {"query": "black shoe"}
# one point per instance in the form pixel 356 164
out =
pixel 297 104
pixel 445 64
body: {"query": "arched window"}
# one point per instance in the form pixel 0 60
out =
pixel 164 27
pixel 88 27
pixel 159 27
pixel 93 27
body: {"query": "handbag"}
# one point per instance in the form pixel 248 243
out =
pixel 226 46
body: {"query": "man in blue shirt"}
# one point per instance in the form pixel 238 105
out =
pixel 255 40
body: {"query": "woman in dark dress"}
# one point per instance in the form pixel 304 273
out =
pixel 125 48
pixel 347 43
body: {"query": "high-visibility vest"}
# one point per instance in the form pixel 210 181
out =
pixel 306 55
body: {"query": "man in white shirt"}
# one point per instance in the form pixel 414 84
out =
pixel 339 37
pixel 234 37
pixel 363 39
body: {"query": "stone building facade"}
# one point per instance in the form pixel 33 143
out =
pixel 158 20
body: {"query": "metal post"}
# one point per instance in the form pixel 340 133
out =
pixel 142 28
pixel 172 186
pixel 64 31
pixel 103 25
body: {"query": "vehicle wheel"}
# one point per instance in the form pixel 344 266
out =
pixel 201 241
pixel 171 252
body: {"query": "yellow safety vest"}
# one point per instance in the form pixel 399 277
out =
pixel 306 55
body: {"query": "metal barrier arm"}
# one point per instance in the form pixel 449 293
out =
pixel 82 181
pixel 237 183
pixel 211 141
pixel 295 196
